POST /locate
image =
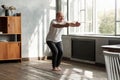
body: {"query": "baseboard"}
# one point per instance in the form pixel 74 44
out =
pixel 33 58
pixel 84 62
pixel 100 64
pixel 41 58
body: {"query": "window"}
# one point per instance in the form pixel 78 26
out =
pixel 105 17
pixel 76 12
pixel 96 16
pixel 117 17
pixel 64 10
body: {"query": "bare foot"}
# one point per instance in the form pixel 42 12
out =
pixel 59 69
pixel 55 69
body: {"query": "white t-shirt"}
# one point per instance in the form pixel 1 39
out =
pixel 55 34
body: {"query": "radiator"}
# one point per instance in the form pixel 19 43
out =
pixel 112 42
pixel 83 49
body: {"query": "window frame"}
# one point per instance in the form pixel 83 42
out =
pixel 94 19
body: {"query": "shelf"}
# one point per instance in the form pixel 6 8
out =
pixel 10 38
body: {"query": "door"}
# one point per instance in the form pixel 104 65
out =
pixel 14 25
pixel 3 51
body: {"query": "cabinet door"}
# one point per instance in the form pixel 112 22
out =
pixel 14 50
pixel 17 25
pixel 11 25
pixel 3 50
pixel 14 25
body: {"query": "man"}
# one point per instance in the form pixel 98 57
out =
pixel 54 38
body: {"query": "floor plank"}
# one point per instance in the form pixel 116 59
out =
pixel 41 70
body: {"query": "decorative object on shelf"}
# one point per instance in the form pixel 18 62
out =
pixel 9 11
pixel 12 9
pixel 18 14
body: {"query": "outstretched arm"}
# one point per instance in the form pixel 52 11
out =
pixel 74 24
pixel 60 25
pixel 67 24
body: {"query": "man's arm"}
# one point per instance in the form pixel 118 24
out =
pixel 60 25
pixel 74 24
pixel 67 24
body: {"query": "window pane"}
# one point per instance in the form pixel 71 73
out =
pixel 118 18
pixel 105 17
pixel 88 16
pixel 74 14
pixel 118 28
pixel 82 11
pixel 64 10
pixel 118 10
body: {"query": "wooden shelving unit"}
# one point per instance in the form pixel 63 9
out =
pixel 10 38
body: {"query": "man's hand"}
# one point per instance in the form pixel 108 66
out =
pixel 74 24
pixel 77 24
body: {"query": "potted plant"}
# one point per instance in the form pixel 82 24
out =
pixel 8 10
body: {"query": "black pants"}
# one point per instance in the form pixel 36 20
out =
pixel 57 52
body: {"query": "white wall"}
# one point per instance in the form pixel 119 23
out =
pixel 35 23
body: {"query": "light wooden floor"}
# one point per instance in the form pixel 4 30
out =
pixel 41 70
